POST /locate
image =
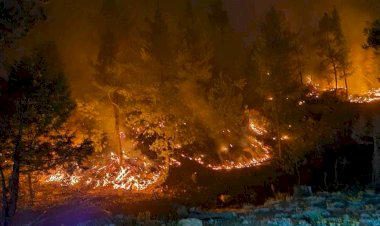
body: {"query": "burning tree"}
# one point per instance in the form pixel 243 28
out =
pixel 108 75
pixel 33 137
pixel 332 46
pixel 274 53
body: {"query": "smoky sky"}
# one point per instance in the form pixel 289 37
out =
pixel 72 25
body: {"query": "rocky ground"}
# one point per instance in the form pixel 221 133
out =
pixel 319 209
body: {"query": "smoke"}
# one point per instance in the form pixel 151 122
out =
pixel 303 16
pixel 74 26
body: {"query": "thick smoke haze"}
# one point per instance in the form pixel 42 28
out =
pixel 73 26
pixel 303 15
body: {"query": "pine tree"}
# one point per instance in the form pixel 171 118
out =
pixel 109 73
pixel 331 45
pixel 16 21
pixel 38 104
pixel 274 54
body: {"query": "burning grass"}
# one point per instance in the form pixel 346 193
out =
pixel 139 174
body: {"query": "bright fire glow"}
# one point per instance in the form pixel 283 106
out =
pixel 113 175
pixel 372 96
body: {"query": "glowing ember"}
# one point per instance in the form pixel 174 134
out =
pixel 112 175
pixel 131 176
pixel 230 165
pixel 258 130
pixel 262 151
pixel 372 96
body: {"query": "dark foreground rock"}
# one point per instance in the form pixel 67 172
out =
pixel 321 209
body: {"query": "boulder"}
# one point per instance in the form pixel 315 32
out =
pixel 190 222
pixel 302 191
pixel 182 211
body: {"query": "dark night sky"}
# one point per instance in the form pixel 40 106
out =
pixel 240 11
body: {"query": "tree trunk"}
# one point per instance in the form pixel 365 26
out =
pixel 115 102
pixel 301 77
pixel 279 143
pixel 276 127
pixel 298 175
pixel 12 199
pixel 278 131
pixel 117 132
pixel 336 78
pixel 4 191
pixel 345 82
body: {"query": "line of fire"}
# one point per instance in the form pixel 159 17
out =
pixel 206 103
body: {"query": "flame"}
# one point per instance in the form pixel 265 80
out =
pixel 230 165
pixel 257 130
pixel 128 176
pixel 112 175
pixel 252 138
pixel 371 96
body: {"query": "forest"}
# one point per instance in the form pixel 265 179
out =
pixel 206 103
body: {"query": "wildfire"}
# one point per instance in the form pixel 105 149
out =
pixel 230 165
pixel 257 130
pixel 129 175
pixel 112 175
pixel 261 156
pixel 372 96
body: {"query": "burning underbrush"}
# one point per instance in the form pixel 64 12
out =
pixel 131 175
pixel 372 95
pixel 139 173
pixel 316 92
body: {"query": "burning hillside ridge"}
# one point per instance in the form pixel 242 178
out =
pixel 373 95
pixel 315 92
pixel 141 173
pixel 128 176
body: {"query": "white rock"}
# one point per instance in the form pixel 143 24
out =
pixel 190 222
pixel 245 222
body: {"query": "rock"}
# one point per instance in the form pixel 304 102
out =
pixel 206 215
pixel 316 201
pixel 365 215
pixel 302 191
pixel 337 205
pixel 245 222
pixel 324 194
pixel 281 215
pixel 190 222
pixel 262 210
pixel 182 212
